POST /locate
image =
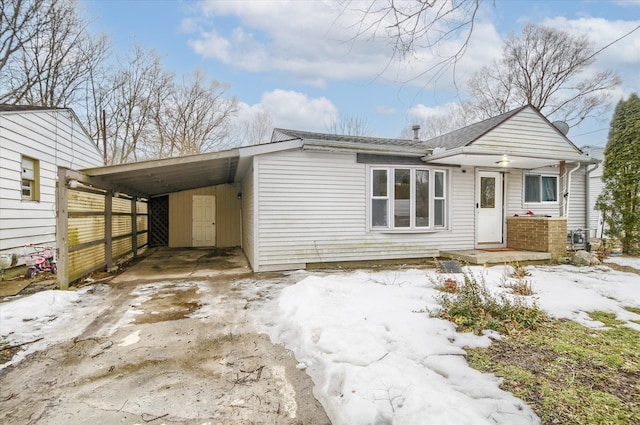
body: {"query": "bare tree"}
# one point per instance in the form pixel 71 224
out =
pixel 52 63
pixel 547 68
pixel 194 117
pixel 252 131
pixel 351 125
pixel 130 97
pixel 20 22
pixel 449 118
pixel 412 26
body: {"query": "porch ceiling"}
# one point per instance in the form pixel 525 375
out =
pixel 479 158
pixel 491 161
pixel 162 176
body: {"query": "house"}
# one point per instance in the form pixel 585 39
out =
pixel 34 142
pixel 512 181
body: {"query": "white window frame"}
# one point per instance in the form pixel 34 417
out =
pixel 390 198
pixel 540 177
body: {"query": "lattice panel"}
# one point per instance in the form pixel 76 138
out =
pixel 159 221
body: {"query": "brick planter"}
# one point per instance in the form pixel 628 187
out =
pixel 541 234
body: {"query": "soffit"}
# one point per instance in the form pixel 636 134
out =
pixel 163 176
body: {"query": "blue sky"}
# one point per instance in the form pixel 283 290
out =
pixel 298 61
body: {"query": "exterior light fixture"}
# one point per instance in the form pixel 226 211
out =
pixel 504 161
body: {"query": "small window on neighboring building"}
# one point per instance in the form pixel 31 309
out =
pixel 30 177
pixel 540 188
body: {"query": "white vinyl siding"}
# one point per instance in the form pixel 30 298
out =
pixel 312 208
pixel 526 134
pixel 576 217
pixel 52 138
pixel 248 216
pixel 596 186
pixel 515 195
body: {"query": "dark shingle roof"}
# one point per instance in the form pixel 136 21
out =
pixel 281 134
pixel 5 107
pixel 452 140
pixel 470 133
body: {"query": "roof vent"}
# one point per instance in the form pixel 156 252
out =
pixel 562 126
pixel 416 132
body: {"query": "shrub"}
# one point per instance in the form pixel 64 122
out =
pixel 473 306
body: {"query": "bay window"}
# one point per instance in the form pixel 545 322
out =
pixel 404 198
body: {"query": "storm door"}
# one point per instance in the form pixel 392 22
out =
pixel 489 208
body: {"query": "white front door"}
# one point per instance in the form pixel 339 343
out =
pixel 203 232
pixel 489 207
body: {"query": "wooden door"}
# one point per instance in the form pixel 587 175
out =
pixel 204 221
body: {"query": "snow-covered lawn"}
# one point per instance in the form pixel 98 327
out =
pixel 367 339
pixel 47 318
pixel 625 261
pixel 376 356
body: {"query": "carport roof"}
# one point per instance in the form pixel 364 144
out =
pixel 162 176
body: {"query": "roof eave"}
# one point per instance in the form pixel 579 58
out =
pixel 469 150
pixel 323 145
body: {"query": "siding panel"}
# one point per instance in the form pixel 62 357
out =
pixel 53 138
pixel 248 216
pixel 517 135
pixel 321 215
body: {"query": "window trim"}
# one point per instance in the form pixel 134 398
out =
pixel 540 176
pixel 390 198
pixel 34 180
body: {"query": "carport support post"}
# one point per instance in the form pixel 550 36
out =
pixel 134 226
pixel 62 229
pixel 108 241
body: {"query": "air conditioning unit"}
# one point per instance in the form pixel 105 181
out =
pixel 577 240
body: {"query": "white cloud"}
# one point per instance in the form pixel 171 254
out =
pixel 385 110
pixel 290 109
pixel 423 113
pixel 623 56
pixel 316 42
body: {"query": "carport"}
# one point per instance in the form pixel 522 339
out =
pixel 108 212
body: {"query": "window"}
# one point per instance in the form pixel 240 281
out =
pixel 540 188
pixel 407 198
pixel 30 177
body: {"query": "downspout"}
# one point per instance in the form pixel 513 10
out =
pixel 566 193
pixel 588 203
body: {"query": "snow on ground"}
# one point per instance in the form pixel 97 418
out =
pixel 47 318
pixel 366 338
pixel 624 261
pixel 376 356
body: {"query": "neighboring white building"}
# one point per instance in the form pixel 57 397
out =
pixel 34 141
pixel 596 186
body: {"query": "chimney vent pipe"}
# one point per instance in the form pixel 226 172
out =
pixel 416 132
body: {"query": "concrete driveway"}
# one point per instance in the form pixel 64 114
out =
pixel 171 341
